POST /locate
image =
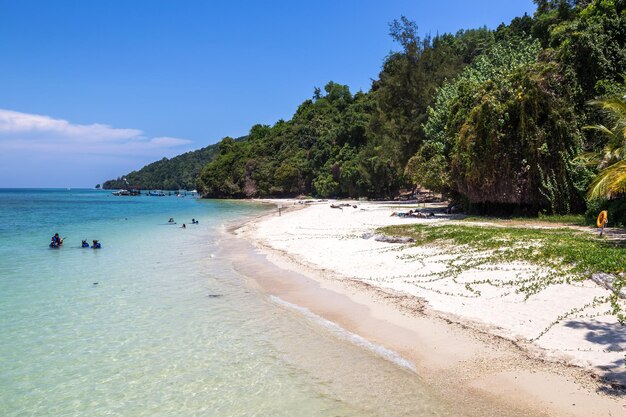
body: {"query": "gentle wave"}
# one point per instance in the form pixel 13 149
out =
pixel 354 338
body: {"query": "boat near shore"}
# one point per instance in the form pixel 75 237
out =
pixel 126 193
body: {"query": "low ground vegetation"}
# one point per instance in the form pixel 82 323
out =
pixel 567 254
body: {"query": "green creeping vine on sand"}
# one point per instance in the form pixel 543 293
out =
pixel 564 219
pixel 566 255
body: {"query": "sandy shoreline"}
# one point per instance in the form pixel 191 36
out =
pixel 496 350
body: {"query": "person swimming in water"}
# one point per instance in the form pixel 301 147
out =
pixel 56 241
pixel 184 226
pixel 95 244
pixel 85 244
pixel 171 220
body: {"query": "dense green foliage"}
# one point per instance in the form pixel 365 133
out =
pixel 408 84
pixel 338 144
pixel 490 118
pixel 493 119
pixel 616 209
pixel 322 150
pixel 176 173
pixel 508 129
pixel 516 145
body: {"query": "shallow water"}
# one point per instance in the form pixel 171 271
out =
pixel 156 323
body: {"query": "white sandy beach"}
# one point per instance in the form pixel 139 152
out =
pixel 559 325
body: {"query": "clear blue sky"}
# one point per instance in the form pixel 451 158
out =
pixel 90 90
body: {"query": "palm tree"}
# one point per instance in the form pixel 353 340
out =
pixel 611 180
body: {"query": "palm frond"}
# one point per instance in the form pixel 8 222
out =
pixel 614 106
pixel 610 182
pixel 591 159
pixel 600 128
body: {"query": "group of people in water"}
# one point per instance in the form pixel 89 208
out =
pixel 184 226
pixel 57 242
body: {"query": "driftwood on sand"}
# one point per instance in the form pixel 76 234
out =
pixel 607 281
pixel 341 206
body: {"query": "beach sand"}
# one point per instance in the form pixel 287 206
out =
pixel 496 353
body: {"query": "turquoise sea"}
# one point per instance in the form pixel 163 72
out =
pixel 158 323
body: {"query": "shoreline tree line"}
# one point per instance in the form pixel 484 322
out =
pixel 527 118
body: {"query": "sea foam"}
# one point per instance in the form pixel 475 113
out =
pixel 342 333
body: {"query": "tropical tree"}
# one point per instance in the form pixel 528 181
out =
pixel 611 160
pixel 429 168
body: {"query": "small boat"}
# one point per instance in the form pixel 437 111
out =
pixel 126 192
pixel 156 193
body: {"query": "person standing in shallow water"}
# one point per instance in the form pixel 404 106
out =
pixel 56 240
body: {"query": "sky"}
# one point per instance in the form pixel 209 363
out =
pixel 91 90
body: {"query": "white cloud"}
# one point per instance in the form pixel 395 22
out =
pixel 168 141
pixel 12 122
pixel 38 133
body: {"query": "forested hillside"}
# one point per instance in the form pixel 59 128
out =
pixel 176 173
pixel 495 119
pixel 526 118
